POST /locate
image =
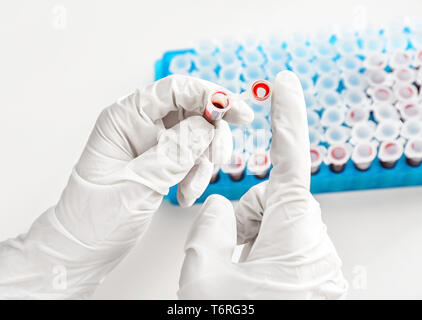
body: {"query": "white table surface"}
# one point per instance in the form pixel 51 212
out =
pixel 58 71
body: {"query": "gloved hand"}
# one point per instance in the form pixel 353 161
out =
pixel 290 254
pixel 140 146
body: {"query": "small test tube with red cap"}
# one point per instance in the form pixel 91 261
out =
pixel 219 102
pixel 318 154
pixel 413 152
pixel 259 164
pixel 389 152
pixel 337 156
pixel 236 167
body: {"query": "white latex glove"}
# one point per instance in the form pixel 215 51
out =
pixel 291 255
pixel 130 161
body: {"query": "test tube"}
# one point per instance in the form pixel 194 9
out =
pixel 356 114
pixel 181 64
pixel 381 94
pixel 303 69
pixel 354 97
pixel 259 164
pixel 327 82
pixel 378 77
pixel 387 130
pixel 204 62
pixel 411 129
pixel 252 72
pixel 218 104
pixel 228 59
pixel 236 167
pixel 400 59
pixel 406 92
pixel 258 91
pixel 349 63
pixel 363 155
pixel 404 75
pixel 354 80
pixel 375 60
pixel 384 112
pixel 329 99
pixel 325 65
pixel 315 136
pixel 337 156
pixel 389 152
pixel 313 119
pixel 413 152
pixel 337 135
pixel 252 57
pixel 363 132
pixel 333 116
pixel 409 110
pixel 215 174
pixel 318 154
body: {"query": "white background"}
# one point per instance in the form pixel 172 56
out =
pixel 56 75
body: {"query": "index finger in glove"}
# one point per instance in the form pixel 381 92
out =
pixel 289 180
